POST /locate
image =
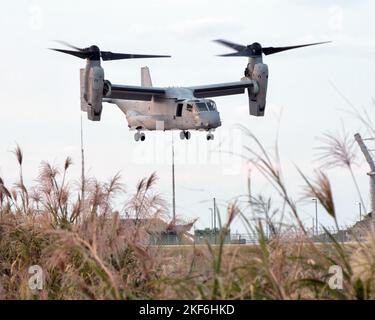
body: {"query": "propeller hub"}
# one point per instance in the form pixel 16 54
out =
pixel 94 48
pixel 256 49
pixel 94 52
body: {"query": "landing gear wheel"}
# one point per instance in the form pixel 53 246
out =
pixel 137 136
pixel 210 136
pixel 185 135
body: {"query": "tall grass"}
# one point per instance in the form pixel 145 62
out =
pixel 83 246
pixel 90 249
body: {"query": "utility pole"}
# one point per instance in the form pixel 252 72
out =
pixel 360 210
pixel 212 231
pixel 212 218
pixel 316 215
pixel 313 226
pixel 371 164
pixel 83 182
pixel 173 185
pixel 215 218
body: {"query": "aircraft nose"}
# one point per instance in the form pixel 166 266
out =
pixel 210 119
pixel 215 120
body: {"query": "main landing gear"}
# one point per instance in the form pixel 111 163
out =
pixel 210 136
pixel 139 136
pixel 185 135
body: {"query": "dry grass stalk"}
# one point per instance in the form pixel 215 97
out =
pixel 89 251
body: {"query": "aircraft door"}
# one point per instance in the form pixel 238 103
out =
pixel 188 115
pixel 185 113
pixel 179 110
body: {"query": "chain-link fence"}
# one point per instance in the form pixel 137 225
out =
pixel 357 232
pixel 322 234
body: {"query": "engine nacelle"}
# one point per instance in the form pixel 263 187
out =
pixel 258 94
pixel 92 86
pixel 95 85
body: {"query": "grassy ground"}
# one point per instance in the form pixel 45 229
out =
pixel 100 259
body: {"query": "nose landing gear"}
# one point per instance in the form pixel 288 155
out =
pixel 139 136
pixel 185 135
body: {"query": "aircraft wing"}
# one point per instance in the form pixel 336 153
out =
pixel 134 92
pixel 221 89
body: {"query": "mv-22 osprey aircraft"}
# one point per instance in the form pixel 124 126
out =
pixel 186 108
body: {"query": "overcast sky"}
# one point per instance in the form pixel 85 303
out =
pixel 39 90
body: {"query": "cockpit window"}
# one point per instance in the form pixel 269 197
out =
pixel 211 105
pixel 189 107
pixel 202 106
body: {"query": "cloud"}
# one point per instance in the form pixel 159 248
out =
pixel 195 27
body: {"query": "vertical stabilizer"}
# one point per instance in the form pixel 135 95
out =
pixel 145 77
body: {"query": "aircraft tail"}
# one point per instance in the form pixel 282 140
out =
pixel 145 77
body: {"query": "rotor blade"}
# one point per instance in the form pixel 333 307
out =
pixel 234 54
pixel 234 46
pixel 107 55
pixel 68 45
pixel 272 50
pixel 79 54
